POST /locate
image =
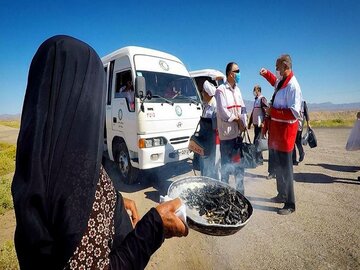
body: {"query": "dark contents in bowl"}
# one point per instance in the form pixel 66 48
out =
pixel 217 204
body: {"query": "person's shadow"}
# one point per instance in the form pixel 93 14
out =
pixel 320 178
pixel 333 167
pixel 258 206
pixel 326 179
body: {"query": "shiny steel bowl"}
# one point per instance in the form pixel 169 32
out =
pixel 197 222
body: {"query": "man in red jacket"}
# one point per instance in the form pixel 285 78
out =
pixel 284 113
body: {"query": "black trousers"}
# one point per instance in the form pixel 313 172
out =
pixel 299 146
pixel 285 177
pixel 271 163
pixel 259 156
pixel 228 167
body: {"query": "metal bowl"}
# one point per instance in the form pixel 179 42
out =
pixel 197 222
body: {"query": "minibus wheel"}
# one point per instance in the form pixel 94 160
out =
pixel 128 174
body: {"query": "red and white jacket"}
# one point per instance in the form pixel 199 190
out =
pixel 230 106
pixel 284 113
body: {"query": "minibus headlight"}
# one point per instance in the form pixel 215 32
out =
pixel 157 141
pixel 152 142
pixel 149 143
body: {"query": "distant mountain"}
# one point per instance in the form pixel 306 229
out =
pixel 326 106
pixel 10 116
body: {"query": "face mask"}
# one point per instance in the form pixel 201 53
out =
pixel 254 93
pixel 237 77
pixel 278 76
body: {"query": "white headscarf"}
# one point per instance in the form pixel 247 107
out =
pixel 209 88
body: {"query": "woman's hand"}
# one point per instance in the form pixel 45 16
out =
pixel 130 207
pixel 173 226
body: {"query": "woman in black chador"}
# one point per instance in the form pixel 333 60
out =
pixel 68 213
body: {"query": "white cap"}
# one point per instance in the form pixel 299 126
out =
pixel 209 88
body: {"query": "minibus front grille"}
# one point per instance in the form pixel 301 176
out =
pixel 179 140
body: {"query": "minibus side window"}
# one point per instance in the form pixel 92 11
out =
pixel 124 88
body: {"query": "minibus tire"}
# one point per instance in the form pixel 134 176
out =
pixel 128 173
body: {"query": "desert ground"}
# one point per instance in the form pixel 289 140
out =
pixel 323 233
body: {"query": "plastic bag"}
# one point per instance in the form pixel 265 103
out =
pixel 353 142
pixel 305 137
pixel 261 145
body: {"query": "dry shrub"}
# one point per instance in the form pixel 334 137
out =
pixel 333 119
pixel 8 258
pixel 7 167
pixel 6 202
pixel 7 158
pixel 328 115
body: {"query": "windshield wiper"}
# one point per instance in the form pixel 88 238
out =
pixel 165 99
pixel 189 99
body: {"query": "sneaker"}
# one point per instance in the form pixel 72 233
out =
pixel 295 163
pixel 286 210
pixel 270 176
pixel 301 158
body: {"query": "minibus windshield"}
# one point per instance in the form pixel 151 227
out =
pixel 173 87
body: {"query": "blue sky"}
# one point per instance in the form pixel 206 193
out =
pixel 322 37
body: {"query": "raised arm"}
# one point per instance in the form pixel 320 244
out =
pixel 271 78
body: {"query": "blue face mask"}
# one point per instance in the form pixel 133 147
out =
pixel 237 77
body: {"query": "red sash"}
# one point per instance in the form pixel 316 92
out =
pixel 282 133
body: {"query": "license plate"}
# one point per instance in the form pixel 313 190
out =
pixel 184 152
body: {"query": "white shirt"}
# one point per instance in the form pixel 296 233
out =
pixel 229 102
pixel 289 97
pixel 230 106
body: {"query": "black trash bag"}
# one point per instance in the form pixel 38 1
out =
pixel 248 156
pixel 246 152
